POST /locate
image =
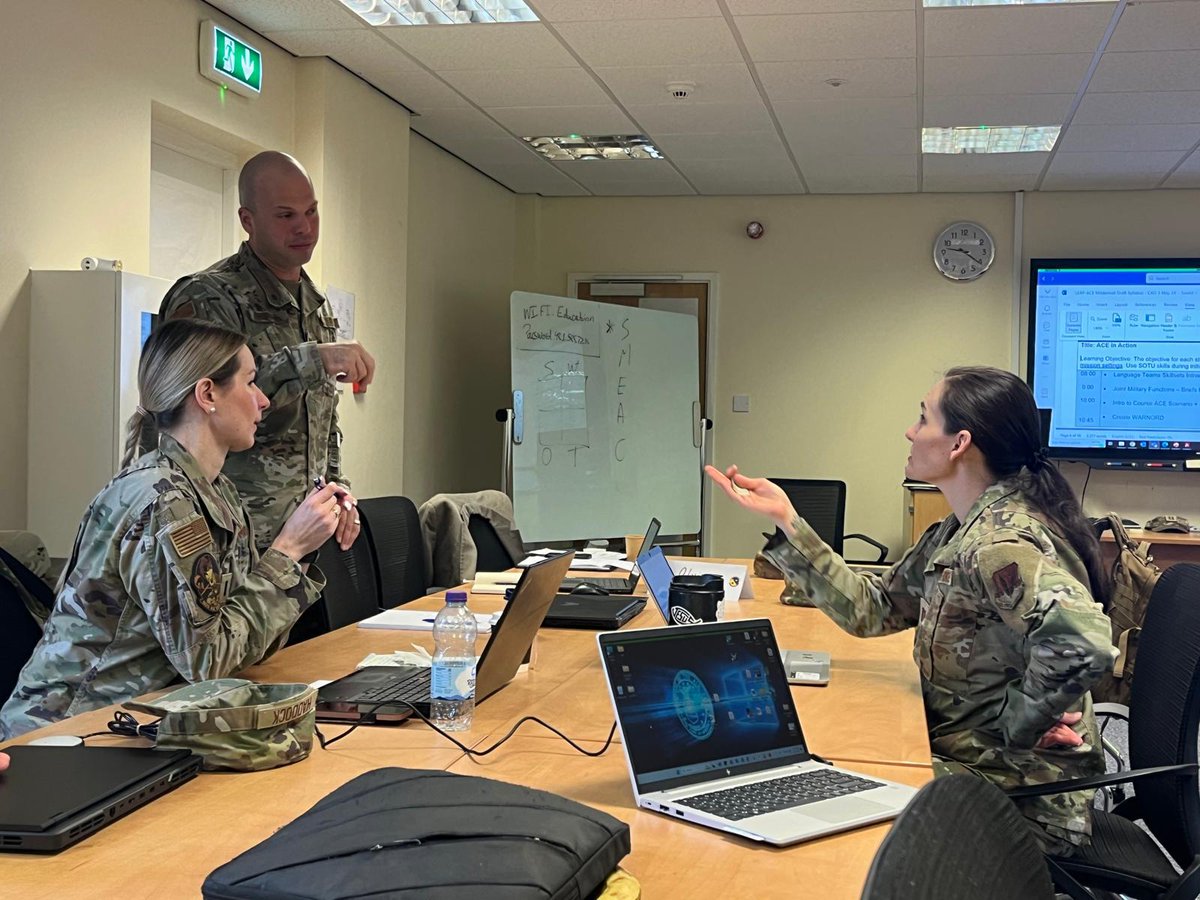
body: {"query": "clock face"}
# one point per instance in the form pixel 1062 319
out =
pixel 963 251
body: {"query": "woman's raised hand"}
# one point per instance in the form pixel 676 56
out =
pixel 755 494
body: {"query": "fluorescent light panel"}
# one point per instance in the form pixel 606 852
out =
pixel 584 146
pixel 989 139
pixel 933 3
pixel 440 12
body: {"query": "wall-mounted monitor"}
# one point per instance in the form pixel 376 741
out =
pixel 1114 359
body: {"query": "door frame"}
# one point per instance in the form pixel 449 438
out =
pixel 712 279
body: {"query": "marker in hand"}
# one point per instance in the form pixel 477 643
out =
pixel 319 483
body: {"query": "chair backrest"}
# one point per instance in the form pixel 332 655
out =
pixel 351 592
pixel 1164 710
pixel 394 530
pixel 822 504
pixel 19 631
pixel 490 554
pixel 959 837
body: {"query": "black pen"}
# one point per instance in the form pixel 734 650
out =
pixel 319 483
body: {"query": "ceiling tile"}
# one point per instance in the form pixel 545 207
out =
pixel 1108 171
pixel 525 45
pixel 775 7
pixel 700 118
pixel 747 183
pixel 534 121
pixel 1147 108
pixel 755 145
pixel 978 184
pixel 825 167
pixel 1082 138
pixel 983 164
pixel 1051 73
pixel 876 35
pixel 852 138
pixel 998 109
pixel 882 113
pixel 608 10
pixel 1158 26
pixel 628 171
pixel 544 180
pixel 647 85
pixel 865 183
pixel 497 151
pixel 466 122
pixel 416 89
pixel 1187 175
pixel 663 42
pixel 1169 70
pixel 351 47
pixel 1014 30
pixel 716 169
pixel 288 15
pixel 862 78
pixel 528 87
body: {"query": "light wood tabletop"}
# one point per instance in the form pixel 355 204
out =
pixel 869 718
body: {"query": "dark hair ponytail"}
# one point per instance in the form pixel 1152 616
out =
pixel 999 411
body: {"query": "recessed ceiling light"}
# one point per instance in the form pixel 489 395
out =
pixel 597 146
pixel 440 12
pixel 929 3
pixel 989 139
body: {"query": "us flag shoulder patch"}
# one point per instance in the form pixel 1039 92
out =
pixel 190 537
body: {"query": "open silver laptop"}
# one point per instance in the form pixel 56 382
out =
pixel 711 735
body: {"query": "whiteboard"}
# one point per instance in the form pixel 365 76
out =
pixel 607 421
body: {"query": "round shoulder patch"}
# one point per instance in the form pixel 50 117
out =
pixel 207 583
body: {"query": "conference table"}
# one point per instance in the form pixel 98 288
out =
pixel 869 718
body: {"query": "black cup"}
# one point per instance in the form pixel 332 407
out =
pixel 694 598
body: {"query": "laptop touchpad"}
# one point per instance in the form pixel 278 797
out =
pixel 845 809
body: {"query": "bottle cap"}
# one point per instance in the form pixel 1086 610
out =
pixel 456 596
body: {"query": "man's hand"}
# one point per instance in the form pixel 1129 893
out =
pixel 348 361
pixel 1060 734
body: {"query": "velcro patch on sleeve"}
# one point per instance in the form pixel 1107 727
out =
pixel 190 537
pixel 1008 586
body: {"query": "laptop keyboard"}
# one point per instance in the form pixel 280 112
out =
pixel 410 688
pixel 609 584
pixel 780 793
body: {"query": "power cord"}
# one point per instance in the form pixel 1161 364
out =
pixel 325 742
pixel 127 726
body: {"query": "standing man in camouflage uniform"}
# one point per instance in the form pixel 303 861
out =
pixel 263 292
pixel 1008 636
pixel 163 580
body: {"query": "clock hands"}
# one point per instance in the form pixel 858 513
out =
pixel 967 255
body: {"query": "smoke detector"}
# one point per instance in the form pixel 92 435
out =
pixel 680 90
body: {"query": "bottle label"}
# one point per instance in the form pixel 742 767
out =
pixel 452 681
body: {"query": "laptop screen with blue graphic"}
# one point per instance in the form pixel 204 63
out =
pixel 657 571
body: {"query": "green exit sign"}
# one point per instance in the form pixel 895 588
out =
pixel 230 61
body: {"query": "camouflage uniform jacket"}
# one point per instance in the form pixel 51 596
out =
pixel 1008 639
pixel 163 581
pixel 298 438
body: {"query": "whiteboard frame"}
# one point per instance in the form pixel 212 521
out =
pixel 713 280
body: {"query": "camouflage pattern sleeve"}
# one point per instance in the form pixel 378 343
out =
pixel 283 375
pixel 861 604
pixel 1067 638
pixel 210 618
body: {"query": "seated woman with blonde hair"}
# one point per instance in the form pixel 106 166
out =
pixel 164 580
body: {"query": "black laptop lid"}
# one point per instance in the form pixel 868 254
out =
pixel 697 702
pixel 46 787
pixel 589 611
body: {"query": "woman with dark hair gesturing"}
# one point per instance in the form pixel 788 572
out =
pixel 1002 594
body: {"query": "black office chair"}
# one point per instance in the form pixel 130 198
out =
pixel 351 591
pixel 490 554
pixel 822 504
pixel 959 837
pixel 1164 721
pixel 19 630
pixel 394 531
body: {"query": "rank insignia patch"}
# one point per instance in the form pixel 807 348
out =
pixel 190 537
pixel 207 583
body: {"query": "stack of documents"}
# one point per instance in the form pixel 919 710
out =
pixel 591 559
pixel 419 620
pixel 494 582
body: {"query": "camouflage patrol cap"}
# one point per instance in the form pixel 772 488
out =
pixel 236 724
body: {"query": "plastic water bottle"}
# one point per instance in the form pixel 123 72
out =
pixel 452 687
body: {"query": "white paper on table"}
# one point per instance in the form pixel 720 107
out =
pixel 737 585
pixel 419 620
pixel 494 582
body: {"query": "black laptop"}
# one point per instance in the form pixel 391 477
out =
pixel 614 585
pixel 53 797
pixel 597 613
pixel 363 696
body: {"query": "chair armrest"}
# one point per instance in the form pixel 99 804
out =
pixel 1096 781
pixel 882 548
pixel 1112 710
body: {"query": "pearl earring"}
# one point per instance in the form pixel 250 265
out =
pixel 212 409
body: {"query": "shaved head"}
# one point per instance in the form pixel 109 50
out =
pixel 279 212
pixel 270 166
